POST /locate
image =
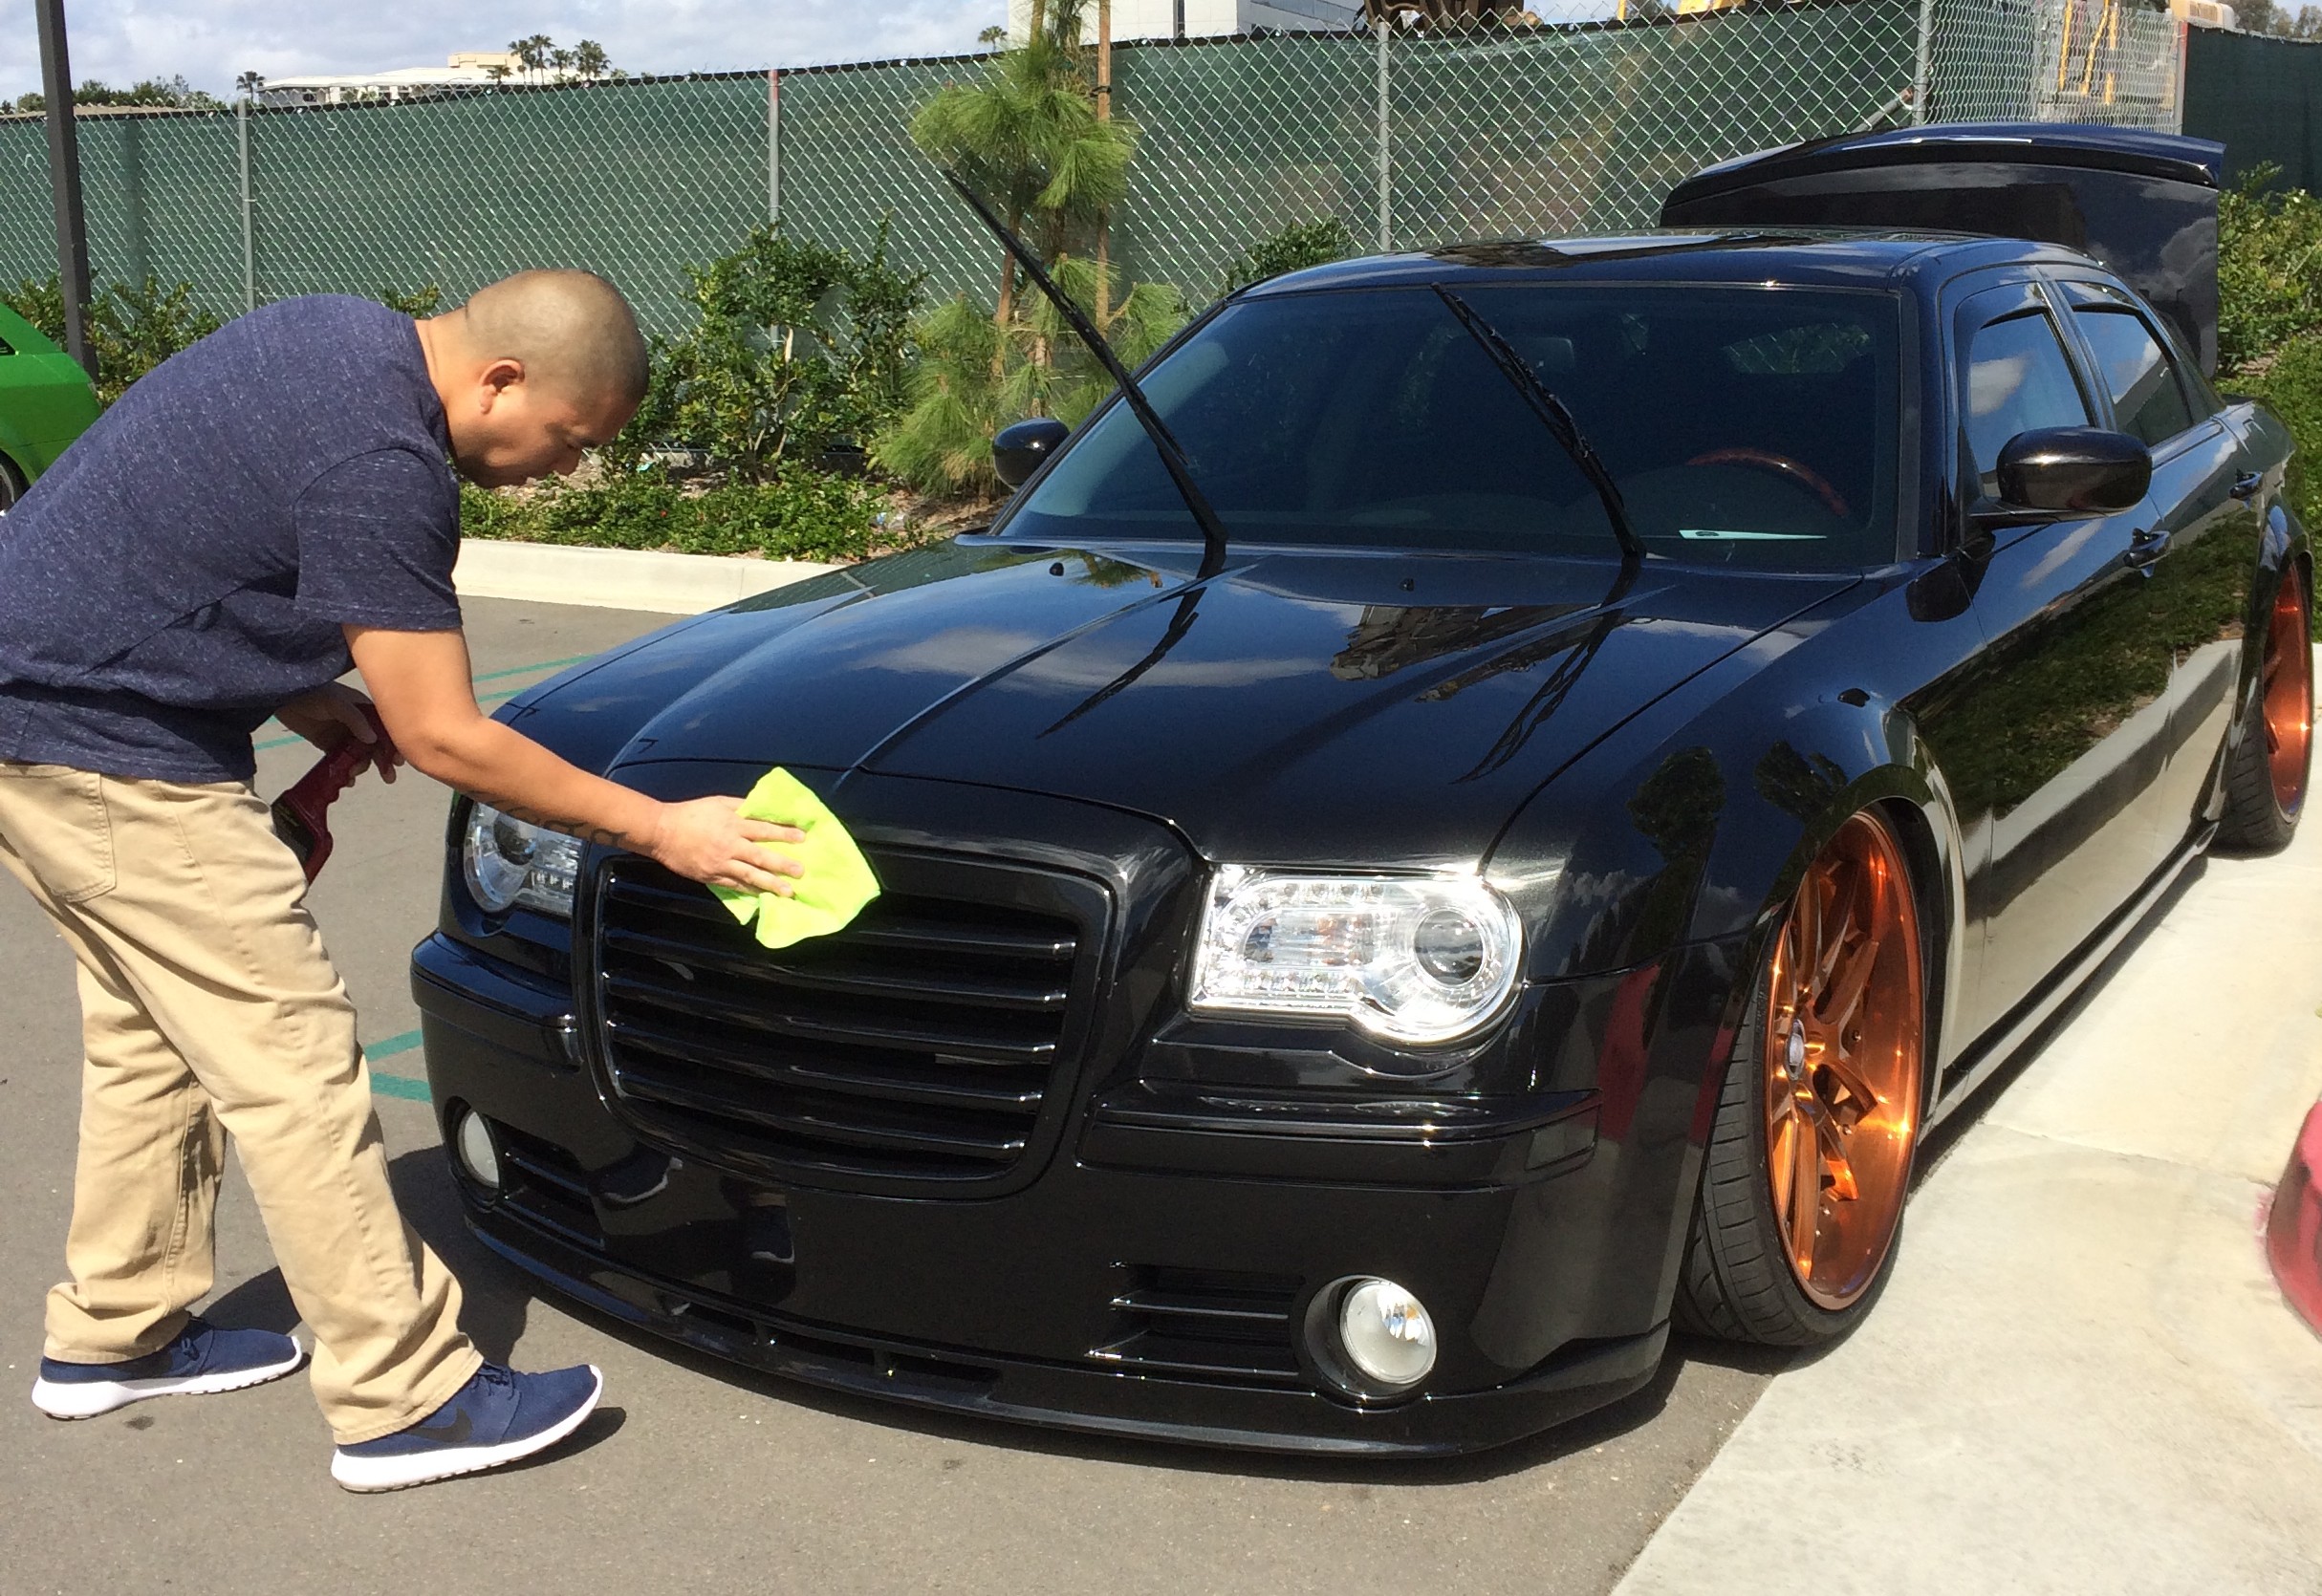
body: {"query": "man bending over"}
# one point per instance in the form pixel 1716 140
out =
pixel 255 515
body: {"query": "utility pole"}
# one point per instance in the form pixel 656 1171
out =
pixel 64 183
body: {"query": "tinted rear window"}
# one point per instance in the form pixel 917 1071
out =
pixel 1743 425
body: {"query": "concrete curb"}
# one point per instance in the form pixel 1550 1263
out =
pixel 619 578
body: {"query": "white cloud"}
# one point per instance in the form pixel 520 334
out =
pixel 212 41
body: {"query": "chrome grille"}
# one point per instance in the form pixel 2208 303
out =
pixel 923 1042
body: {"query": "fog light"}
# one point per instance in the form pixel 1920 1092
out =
pixel 1379 1340
pixel 478 1153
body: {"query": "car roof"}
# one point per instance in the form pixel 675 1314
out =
pixel 1826 257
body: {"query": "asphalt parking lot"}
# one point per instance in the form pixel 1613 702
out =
pixel 694 1476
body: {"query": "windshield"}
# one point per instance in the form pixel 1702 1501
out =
pixel 1743 425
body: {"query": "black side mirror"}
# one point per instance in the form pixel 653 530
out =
pixel 2073 470
pixel 1024 448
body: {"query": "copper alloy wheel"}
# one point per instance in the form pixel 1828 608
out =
pixel 2290 694
pixel 1841 1055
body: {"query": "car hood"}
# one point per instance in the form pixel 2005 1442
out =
pixel 1297 707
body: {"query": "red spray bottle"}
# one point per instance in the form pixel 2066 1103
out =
pixel 300 815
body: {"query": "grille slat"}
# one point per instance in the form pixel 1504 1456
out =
pixel 863 1129
pixel 856 982
pixel 1212 1324
pixel 916 935
pixel 819 1075
pixel 920 1045
pixel 752 1012
pixel 547 1187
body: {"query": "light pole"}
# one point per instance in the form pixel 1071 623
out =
pixel 64 183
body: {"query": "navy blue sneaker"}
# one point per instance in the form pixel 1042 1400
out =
pixel 203 1360
pixel 497 1417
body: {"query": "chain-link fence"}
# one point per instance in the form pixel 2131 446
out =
pixel 1581 123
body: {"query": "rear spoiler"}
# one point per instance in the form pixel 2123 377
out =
pixel 2143 203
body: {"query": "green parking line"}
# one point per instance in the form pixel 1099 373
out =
pixel 481 698
pixel 409 1088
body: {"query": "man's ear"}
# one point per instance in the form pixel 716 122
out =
pixel 495 380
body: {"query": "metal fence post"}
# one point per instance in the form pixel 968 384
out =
pixel 1386 148
pixel 64 185
pixel 1922 82
pixel 773 147
pixel 249 248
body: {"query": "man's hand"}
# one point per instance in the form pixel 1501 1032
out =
pixel 330 714
pixel 708 841
pixel 428 703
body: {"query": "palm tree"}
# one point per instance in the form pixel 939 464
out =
pixel 532 53
pixel 588 59
pixel 563 61
pixel 249 84
pixel 1029 140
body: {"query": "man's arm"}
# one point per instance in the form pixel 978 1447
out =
pixel 419 681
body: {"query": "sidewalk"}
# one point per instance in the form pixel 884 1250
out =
pixel 2081 1377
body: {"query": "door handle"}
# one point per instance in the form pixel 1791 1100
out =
pixel 2246 484
pixel 2145 546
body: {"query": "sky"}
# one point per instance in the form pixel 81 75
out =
pixel 212 41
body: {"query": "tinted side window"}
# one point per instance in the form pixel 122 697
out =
pixel 2148 402
pixel 2018 378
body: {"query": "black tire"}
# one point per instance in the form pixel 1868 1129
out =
pixel 12 485
pixel 1736 1283
pixel 2257 818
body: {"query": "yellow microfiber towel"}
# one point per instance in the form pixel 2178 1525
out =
pixel 837 881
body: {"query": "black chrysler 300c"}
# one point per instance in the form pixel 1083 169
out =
pixel 1668 714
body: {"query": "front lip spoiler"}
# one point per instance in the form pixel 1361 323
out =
pixel 1091 1400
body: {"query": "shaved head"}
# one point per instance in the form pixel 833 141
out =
pixel 572 331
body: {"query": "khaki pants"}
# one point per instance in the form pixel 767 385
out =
pixel 209 1008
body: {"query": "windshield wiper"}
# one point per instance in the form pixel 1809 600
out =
pixel 1552 411
pixel 1164 443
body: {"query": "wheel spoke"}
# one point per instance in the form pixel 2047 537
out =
pixel 1831 1146
pixel 1805 1192
pixel 1835 935
pixel 1808 924
pixel 1845 993
pixel 1781 1162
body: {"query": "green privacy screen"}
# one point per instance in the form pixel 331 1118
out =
pixel 1409 140
pixel 2260 98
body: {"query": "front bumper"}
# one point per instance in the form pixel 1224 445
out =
pixel 1542 1242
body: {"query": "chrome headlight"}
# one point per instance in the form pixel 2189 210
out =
pixel 1415 960
pixel 508 862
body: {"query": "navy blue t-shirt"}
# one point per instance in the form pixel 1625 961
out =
pixel 185 569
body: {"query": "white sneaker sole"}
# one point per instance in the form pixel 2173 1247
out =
pixel 395 1474
pixel 91 1398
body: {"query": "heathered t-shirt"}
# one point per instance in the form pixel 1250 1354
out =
pixel 186 569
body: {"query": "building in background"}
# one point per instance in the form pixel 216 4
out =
pixel 1201 20
pixel 468 69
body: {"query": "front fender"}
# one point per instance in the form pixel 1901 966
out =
pixel 1696 824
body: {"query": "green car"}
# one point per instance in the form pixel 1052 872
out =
pixel 46 401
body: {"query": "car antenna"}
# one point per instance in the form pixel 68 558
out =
pixel 1172 457
pixel 1551 410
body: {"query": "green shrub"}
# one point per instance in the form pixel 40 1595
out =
pixel 2291 388
pixel 1291 249
pixel 131 330
pixel 796 347
pixel 800 514
pixel 2268 269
